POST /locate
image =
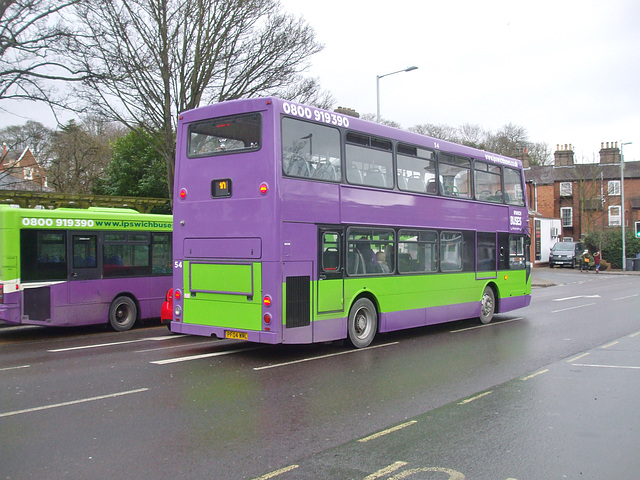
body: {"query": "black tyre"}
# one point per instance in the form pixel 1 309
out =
pixel 488 307
pixel 363 323
pixel 122 314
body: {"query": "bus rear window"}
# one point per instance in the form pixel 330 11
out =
pixel 238 133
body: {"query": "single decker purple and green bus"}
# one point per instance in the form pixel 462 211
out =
pixel 71 267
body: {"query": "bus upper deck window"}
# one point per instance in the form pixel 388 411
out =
pixel 232 134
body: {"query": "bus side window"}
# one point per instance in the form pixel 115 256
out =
pixel 513 193
pixel 43 255
pixel 330 251
pixel 84 251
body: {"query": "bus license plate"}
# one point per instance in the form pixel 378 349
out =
pixel 236 335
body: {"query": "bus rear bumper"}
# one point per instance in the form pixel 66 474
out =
pixel 513 303
pixel 208 331
pixel 10 313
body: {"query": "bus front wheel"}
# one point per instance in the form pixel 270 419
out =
pixel 488 306
pixel 363 323
pixel 122 314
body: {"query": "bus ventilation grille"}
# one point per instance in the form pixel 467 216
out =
pixel 298 302
pixel 37 303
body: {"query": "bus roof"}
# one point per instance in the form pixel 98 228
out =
pixel 354 123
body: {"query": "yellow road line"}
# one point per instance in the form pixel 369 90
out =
pixel 528 377
pixel 386 432
pixel 275 473
pixel 469 400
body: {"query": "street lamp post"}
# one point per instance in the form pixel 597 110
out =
pixel 378 77
pixel 624 243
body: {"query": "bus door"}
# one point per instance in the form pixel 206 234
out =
pixel 487 264
pixel 84 267
pixel 330 270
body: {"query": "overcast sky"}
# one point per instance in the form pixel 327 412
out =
pixel 568 71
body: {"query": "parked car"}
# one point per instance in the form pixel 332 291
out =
pixel 166 313
pixel 566 253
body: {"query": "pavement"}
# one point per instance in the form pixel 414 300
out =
pixel 537 282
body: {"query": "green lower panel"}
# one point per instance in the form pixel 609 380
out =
pixel 409 292
pixel 223 295
pixel 244 316
pixel 212 277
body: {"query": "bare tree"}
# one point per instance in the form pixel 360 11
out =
pixel 472 135
pixel 440 131
pixel 151 59
pixel 28 31
pixel 32 134
pixel 15 140
pixel 371 117
pixel 540 153
pixel 79 154
pixel 510 140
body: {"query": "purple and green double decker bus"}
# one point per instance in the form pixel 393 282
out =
pixel 299 225
pixel 71 267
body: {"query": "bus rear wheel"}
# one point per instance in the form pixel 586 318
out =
pixel 363 323
pixel 488 305
pixel 122 314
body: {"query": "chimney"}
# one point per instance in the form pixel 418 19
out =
pixel 347 111
pixel 524 157
pixel 609 153
pixel 563 156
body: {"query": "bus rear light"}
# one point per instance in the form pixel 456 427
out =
pixel 267 318
pixel 183 193
pixel 177 294
pixel 266 301
pixel 177 311
pixel 264 188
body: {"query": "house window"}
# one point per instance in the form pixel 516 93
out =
pixel 566 213
pixel 613 187
pixel 614 216
pixel 28 173
pixel 566 189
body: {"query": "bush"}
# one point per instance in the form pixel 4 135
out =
pixel 610 244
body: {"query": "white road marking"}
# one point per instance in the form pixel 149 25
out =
pixel 628 296
pixel 573 298
pixel 203 355
pixel 112 344
pixel 14 368
pixel 622 367
pixel 276 365
pixel 572 308
pixel 486 325
pixel 73 402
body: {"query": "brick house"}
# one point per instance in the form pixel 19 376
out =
pixel 21 171
pixel 586 197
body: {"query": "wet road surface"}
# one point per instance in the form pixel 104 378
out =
pixel 508 400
